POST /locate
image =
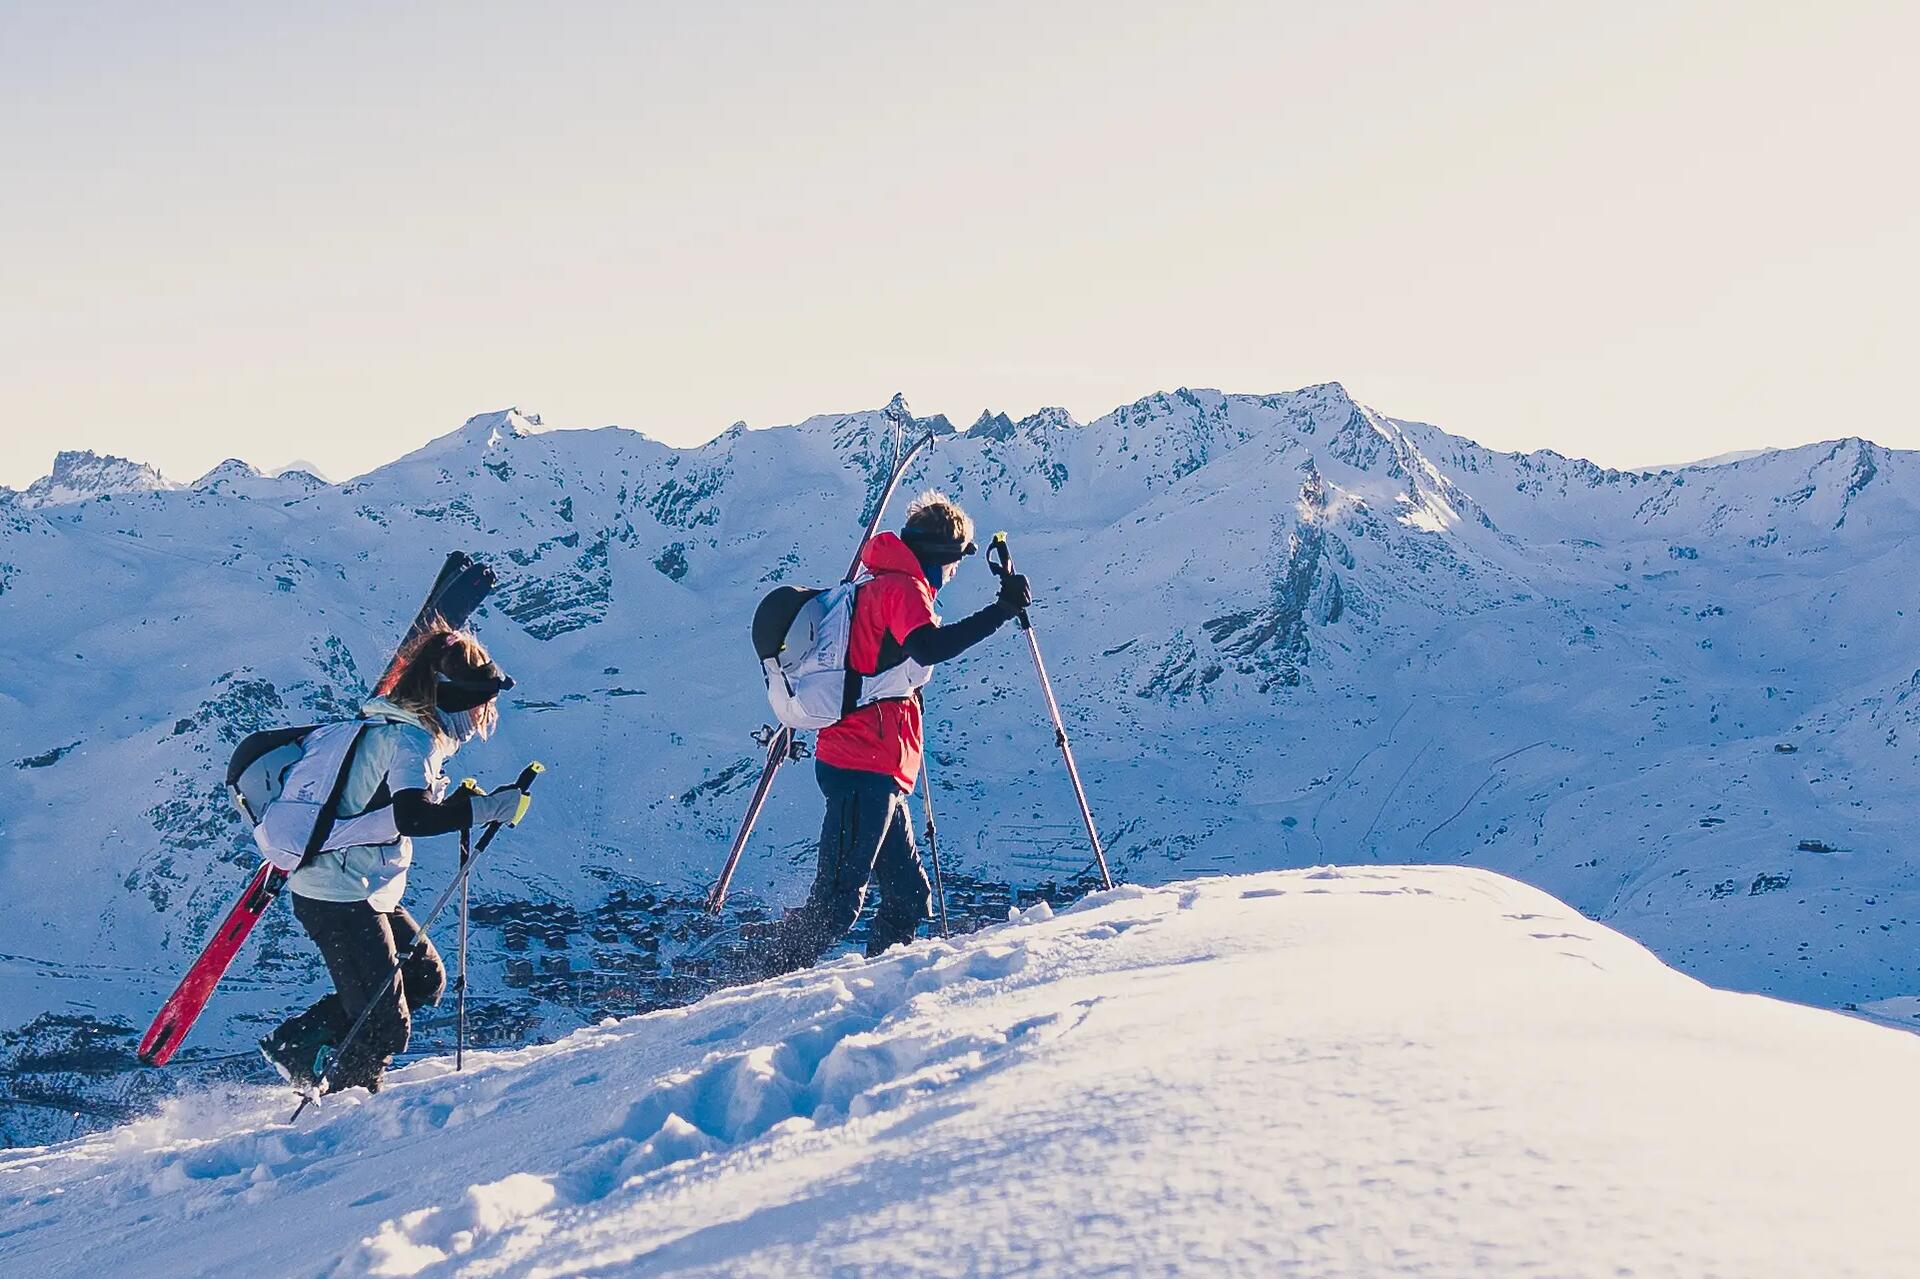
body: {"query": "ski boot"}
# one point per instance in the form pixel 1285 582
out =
pixel 297 1058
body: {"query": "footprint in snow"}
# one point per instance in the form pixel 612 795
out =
pixel 408 1244
pixel 859 1063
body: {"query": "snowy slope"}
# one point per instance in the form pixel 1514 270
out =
pixel 1286 630
pixel 1361 1072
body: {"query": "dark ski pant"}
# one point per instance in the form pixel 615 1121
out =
pixel 361 945
pixel 867 837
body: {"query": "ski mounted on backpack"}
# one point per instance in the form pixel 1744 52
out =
pixel 264 773
pixel 795 618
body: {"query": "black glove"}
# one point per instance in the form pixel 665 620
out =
pixel 1015 595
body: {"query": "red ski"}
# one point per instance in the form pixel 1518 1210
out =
pixel 457 592
pixel 177 1015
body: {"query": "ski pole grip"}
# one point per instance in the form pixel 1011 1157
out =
pixel 999 556
pixel 522 784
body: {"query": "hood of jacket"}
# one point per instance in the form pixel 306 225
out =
pixel 886 553
pixel 381 708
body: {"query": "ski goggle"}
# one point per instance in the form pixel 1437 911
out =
pixel 938 550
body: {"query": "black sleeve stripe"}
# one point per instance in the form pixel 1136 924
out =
pixel 415 815
pixel 931 644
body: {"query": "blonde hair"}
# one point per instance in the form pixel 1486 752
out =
pixel 937 516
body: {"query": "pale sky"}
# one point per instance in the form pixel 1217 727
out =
pixel 1637 232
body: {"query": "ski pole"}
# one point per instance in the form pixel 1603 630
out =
pixel 1000 560
pixel 933 839
pixel 780 748
pixel 460 996
pixel 523 784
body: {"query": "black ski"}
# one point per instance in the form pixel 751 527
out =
pixel 459 590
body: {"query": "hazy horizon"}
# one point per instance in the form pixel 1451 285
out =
pixel 960 422
pixel 1645 234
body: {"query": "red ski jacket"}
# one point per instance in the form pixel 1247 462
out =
pixel 886 736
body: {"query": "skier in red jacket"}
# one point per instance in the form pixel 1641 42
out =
pixel 866 763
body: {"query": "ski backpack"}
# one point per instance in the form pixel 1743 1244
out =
pixel 287 784
pixel 800 635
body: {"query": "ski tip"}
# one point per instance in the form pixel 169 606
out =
pixel 536 768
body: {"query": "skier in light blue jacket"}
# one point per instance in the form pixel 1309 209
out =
pixel 348 899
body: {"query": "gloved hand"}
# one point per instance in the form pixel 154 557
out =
pixel 506 805
pixel 1015 595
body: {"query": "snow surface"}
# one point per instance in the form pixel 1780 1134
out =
pixel 1329 1072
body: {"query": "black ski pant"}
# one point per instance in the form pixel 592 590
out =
pixel 361 946
pixel 867 836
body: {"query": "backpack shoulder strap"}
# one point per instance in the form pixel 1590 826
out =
pixel 855 681
pixel 323 828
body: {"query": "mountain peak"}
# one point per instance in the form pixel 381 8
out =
pixel 236 478
pixel 501 425
pixel 999 426
pixel 1050 418
pixel 483 432
pixel 991 426
pixel 81 474
pixel 300 467
pixel 228 471
pixel 1327 391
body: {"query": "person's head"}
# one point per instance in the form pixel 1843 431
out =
pixel 448 680
pixel 939 534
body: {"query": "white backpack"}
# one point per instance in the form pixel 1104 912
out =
pixel 287 783
pixel 801 637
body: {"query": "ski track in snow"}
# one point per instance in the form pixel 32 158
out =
pixel 1365 1072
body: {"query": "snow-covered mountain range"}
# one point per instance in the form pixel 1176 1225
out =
pixel 1286 630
